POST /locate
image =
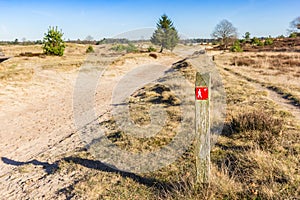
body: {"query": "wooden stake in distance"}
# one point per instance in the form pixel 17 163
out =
pixel 202 99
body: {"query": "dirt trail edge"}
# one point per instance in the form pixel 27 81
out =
pixel 274 96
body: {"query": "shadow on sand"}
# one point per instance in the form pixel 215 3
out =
pixel 49 168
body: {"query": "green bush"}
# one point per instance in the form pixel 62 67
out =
pixel 130 48
pixel 118 47
pixel 236 47
pixel 243 41
pixel 260 43
pixel 53 43
pixel 269 41
pixel 90 49
pixel 151 49
pixel 293 35
pixel 256 41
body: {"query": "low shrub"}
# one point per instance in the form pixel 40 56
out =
pixel 257 121
pixel 258 127
pixel 90 49
pixel 269 41
pixel 257 42
pixel 151 49
pixel 118 47
pixel 130 48
pixel 293 35
pixel 236 47
pixel 242 61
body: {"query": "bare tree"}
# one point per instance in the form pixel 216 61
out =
pixel 295 26
pixel 225 32
pixel 89 38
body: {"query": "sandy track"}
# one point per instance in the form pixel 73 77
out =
pixel 285 104
pixel 37 128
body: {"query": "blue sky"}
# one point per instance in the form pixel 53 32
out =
pixel 192 18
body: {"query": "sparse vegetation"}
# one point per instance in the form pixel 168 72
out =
pixel 118 47
pixel 130 48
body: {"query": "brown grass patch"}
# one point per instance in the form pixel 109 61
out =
pixel 257 121
pixel 238 61
pixel 139 105
pixel 258 127
pixel 14 72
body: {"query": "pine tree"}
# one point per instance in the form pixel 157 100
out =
pixel 53 42
pixel 165 35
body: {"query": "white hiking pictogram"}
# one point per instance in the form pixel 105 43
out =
pixel 199 94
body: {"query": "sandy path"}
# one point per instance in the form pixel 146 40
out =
pixel 37 126
pixel 274 96
pixel 38 113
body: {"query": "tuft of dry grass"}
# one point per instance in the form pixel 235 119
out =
pixel 259 127
pixel 242 61
pixel 256 121
pixel 15 72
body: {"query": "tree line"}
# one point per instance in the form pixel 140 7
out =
pixel 165 36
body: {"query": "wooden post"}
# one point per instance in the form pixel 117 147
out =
pixel 202 99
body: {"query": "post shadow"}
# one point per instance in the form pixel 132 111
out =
pixel 97 165
pixel 49 168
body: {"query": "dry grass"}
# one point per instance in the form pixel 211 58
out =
pixel 279 62
pixel 15 72
pixel 278 71
pixel 257 127
pixel 26 60
pixel 256 158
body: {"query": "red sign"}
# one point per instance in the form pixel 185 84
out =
pixel 201 93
